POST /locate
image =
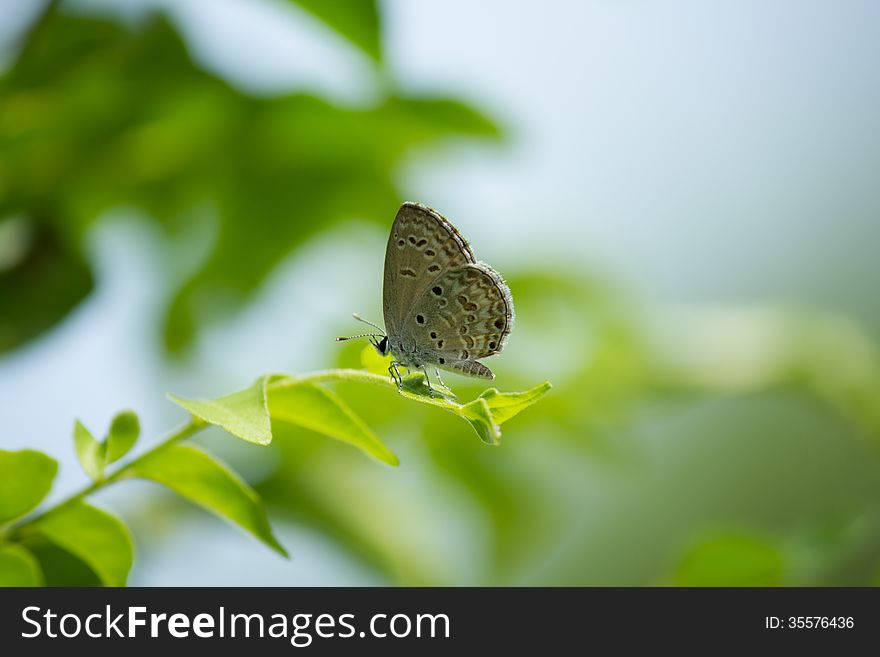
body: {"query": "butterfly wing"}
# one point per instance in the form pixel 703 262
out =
pixel 465 314
pixel 421 247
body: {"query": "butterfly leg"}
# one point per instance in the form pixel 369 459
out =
pixel 395 374
pixel 439 380
pixel 428 381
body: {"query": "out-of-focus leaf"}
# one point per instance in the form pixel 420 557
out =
pixel 25 479
pixel 373 362
pixel 89 451
pixel 244 414
pixel 18 567
pixel 130 120
pixel 731 560
pixel 203 479
pixel 356 20
pixel 317 408
pixel 60 567
pixel 124 432
pixel 94 536
pixel 42 277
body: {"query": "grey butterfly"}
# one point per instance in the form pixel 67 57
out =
pixel 441 306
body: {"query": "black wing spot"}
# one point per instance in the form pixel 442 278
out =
pixel 434 269
pixel 430 253
pixel 492 344
pixel 408 273
pixel 462 299
pixel 433 335
pixel 437 290
pixel 469 341
pixel 471 319
pixel 439 344
pixel 442 361
pixel 470 306
pixel 463 329
pixel 442 303
pixel 412 240
pixel 464 354
pixel 499 323
pixel 421 243
pixel 420 319
pixel 401 243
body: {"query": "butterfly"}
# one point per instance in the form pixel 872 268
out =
pixel 442 307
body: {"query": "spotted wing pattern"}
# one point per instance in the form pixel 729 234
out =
pixel 465 314
pixel 421 247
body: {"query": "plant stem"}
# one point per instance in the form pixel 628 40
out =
pixel 193 426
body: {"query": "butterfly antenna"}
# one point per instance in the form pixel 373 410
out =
pixel 362 335
pixel 366 321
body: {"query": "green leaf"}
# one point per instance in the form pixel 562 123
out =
pixel 89 452
pixel 505 405
pixel 96 537
pixel 18 567
pixel 317 408
pixel 60 567
pixel 25 478
pixel 124 432
pixel 356 20
pixel 731 560
pixel 203 479
pixel 244 414
pixel 478 414
pixel 486 413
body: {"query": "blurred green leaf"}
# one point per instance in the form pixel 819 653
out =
pixel 205 480
pixel 318 409
pixel 60 567
pixel 731 560
pixel 123 434
pixel 356 20
pixel 244 414
pixel 131 121
pixel 89 451
pixel 94 536
pixel 43 277
pixel 26 477
pixel 18 567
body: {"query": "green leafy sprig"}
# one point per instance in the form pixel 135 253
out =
pixel 74 528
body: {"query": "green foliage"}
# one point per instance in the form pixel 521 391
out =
pixel 244 414
pixel 25 479
pixel 486 413
pixel 317 408
pixel 123 434
pixel 94 536
pixel 90 451
pixel 75 543
pixel 130 120
pixel 18 567
pixel 731 560
pixel 205 480
pixel 94 456
pixel 356 20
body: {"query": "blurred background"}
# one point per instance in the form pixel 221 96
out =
pixel 683 196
